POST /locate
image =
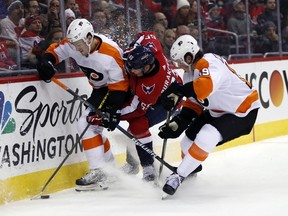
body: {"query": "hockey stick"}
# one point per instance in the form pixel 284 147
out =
pixel 39 195
pixel 125 132
pixel 164 144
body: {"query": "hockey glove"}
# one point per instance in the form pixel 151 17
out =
pixel 171 96
pixel 174 129
pixel 46 70
pixel 111 119
pixel 94 119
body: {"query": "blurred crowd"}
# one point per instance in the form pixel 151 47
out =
pixel 28 27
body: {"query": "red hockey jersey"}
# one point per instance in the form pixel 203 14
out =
pixel 146 90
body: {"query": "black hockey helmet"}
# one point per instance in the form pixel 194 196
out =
pixel 139 57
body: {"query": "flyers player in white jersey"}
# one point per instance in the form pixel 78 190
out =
pixel 220 106
pixel 101 61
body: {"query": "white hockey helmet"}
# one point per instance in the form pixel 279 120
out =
pixel 79 29
pixel 185 44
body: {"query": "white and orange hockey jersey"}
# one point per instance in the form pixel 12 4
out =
pixel 103 67
pixel 219 89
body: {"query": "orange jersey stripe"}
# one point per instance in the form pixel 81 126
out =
pixel 109 50
pixel 53 46
pixel 92 142
pixel 203 86
pixel 246 104
pixel 195 107
pixel 106 145
pixel 119 86
pixel 197 152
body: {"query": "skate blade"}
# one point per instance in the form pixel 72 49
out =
pixel 164 196
pixel 92 187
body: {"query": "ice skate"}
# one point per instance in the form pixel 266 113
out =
pixel 95 179
pixel 149 173
pixel 131 169
pixel 172 184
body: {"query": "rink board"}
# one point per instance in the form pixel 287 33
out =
pixel 37 129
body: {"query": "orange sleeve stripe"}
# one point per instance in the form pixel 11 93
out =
pixel 108 49
pixel 92 142
pixel 50 50
pixel 197 152
pixel 196 107
pixel 53 46
pixel 106 145
pixel 246 104
pixel 119 86
pixel 203 86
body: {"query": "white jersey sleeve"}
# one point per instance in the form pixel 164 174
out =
pixel 104 65
pixel 220 89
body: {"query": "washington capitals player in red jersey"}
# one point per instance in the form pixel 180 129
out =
pixel 149 75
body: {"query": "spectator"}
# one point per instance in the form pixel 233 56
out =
pixel 194 31
pixel 159 30
pixel 182 14
pixel 255 9
pixel 161 18
pixel 204 7
pixel 105 7
pixel 99 21
pixel 29 38
pixel 6 62
pixel 11 27
pixel 193 11
pixel 238 21
pixel 269 14
pixel 54 36
pixel 168 40
pixel 32 7
pixel 268 42
pixel 77 11
pixel 69 4
pixel 53 14
pixel 182 30
pixel 168 7
pixel 83 7
pixel 69 16
pixel 215 20
pixel 285 39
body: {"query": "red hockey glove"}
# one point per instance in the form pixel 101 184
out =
pixel 94 119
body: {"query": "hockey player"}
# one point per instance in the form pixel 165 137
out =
pixel 149 75
pixel 101 61
pixel 230 102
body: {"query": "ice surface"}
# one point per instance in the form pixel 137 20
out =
pixel 250 180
